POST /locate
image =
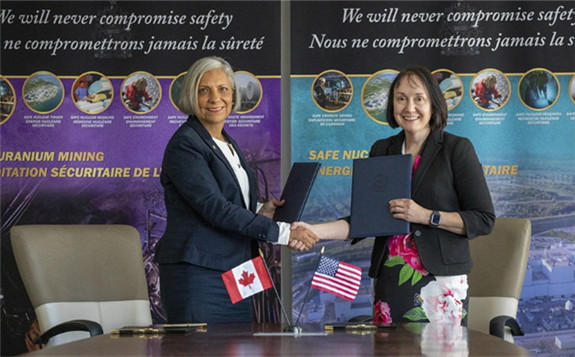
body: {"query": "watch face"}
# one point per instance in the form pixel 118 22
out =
pixel 435 219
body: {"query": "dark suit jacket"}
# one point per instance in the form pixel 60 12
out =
pixel 207 223
pixel 449 178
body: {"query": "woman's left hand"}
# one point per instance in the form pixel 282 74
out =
pixel 269 207
pixel 408 210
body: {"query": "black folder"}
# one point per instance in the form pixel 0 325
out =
pixel 296 190
pixel 375 181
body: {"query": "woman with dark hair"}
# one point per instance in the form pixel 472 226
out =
pixel 422 276
pixel 214 220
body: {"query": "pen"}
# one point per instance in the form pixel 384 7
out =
pixel 357 327
pixel 199 324
pixel 137 331
pixel 351 327
pixel 362 327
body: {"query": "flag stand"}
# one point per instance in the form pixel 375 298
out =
pixel 335 277
pixel 294 331
pixel 309 287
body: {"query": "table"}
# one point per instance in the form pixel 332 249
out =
pixel 239 340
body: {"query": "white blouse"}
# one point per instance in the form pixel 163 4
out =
pixel 242 177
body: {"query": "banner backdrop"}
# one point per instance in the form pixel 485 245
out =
pixel 344 57
pixel 77 148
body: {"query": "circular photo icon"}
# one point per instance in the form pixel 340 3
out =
pixel 332 91
pixel 572 89
pixel 250 91
pixel 175 88
pixel 538 89
pixel 7 100
pixel 490 89
pixel 92 92
pixel 375 94
pixel 451 86
pixel 141 92
pixel 43 92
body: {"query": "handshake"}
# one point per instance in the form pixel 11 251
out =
pixel 301 237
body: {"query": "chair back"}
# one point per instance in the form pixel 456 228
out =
pixel 500 262
pixel 93 272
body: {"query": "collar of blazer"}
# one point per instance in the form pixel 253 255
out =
pixel 207 138
pixel 195 123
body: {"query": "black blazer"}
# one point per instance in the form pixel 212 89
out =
pixel 449 178
pixel 207 222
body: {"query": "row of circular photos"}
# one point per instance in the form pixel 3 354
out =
pixel 489 90
pixel 92 93
pixel 332 91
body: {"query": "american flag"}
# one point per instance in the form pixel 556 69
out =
pixel 337 278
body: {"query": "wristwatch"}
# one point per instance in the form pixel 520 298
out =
pixel 435 219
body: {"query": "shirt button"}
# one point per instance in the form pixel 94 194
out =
pixel 417 233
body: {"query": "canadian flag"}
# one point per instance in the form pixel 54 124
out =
pixel 247 279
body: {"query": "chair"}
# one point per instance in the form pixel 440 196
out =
pixel 82 277
pixel 496 279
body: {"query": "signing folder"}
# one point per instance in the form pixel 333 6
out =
pixel 296 190
pixel 376 181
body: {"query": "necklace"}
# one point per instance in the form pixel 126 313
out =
pixel 231 148
pixel 223 138
pixel 233 159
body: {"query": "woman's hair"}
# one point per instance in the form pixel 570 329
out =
pixel 140 84
pixel 490 80
pixel 438 105
pixel 188 99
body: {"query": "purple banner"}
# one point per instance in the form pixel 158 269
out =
pixel 76 150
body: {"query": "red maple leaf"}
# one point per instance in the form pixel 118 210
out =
pixel 247 278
